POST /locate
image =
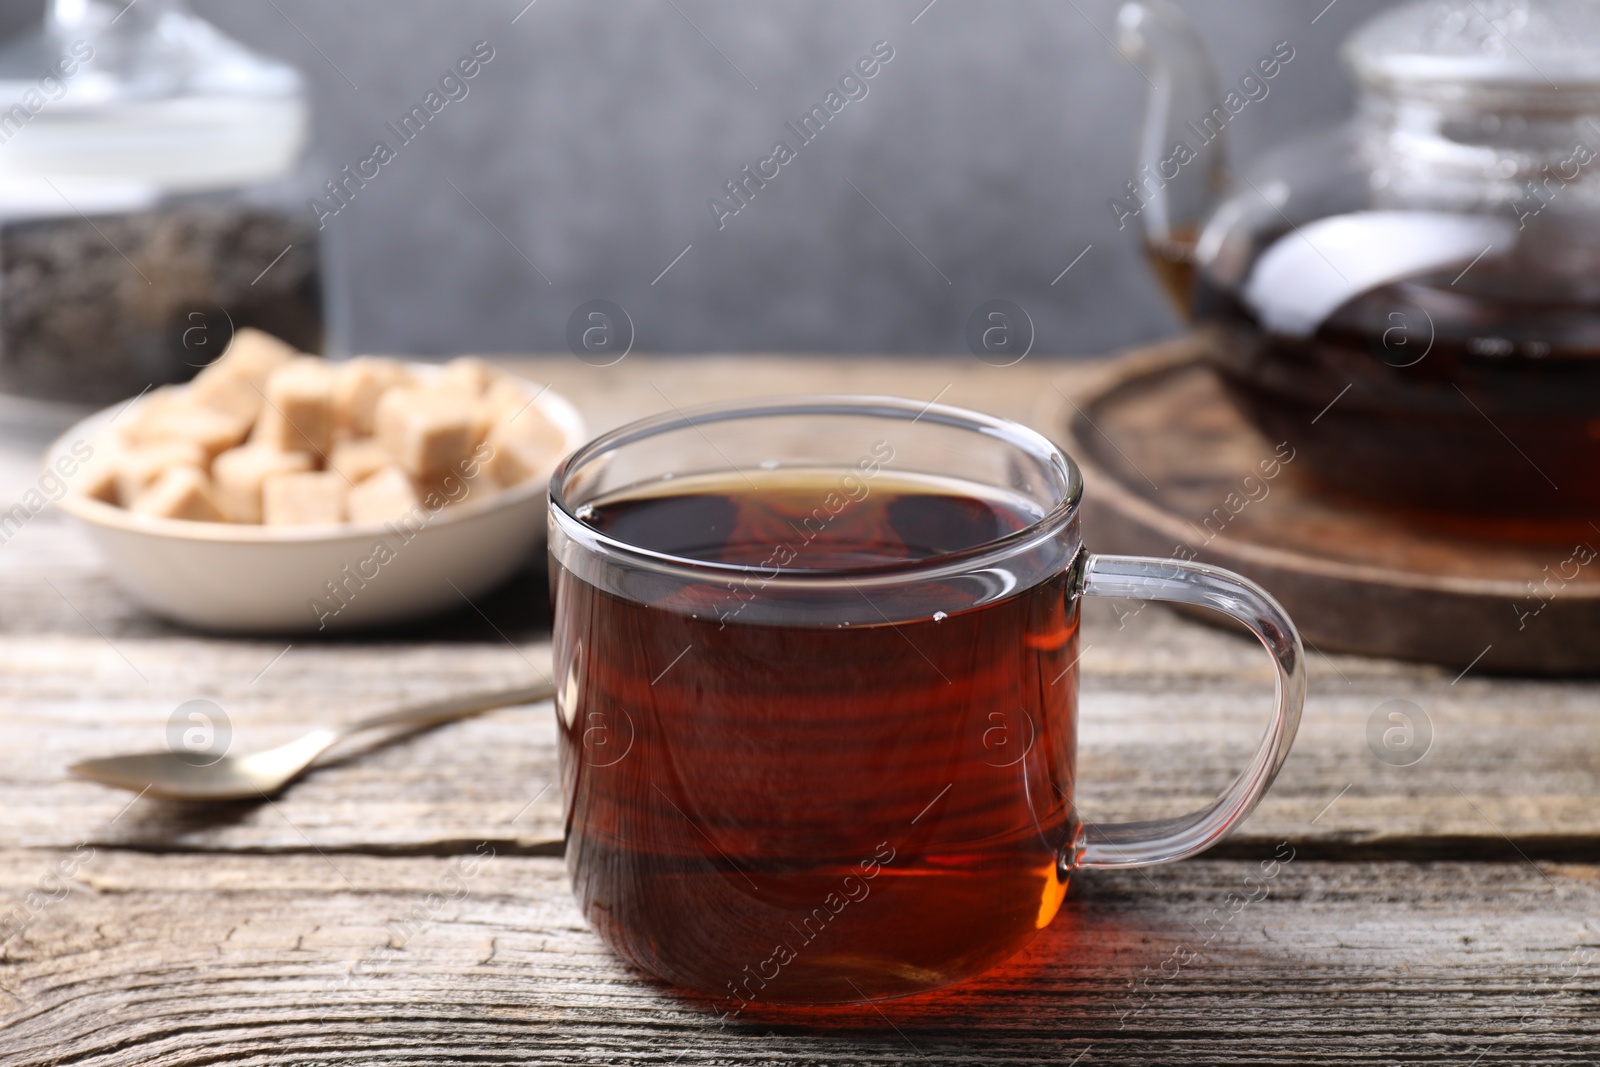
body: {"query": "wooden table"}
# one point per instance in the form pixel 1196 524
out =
pixel 1446 912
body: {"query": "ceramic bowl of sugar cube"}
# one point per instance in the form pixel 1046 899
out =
pixel 282 493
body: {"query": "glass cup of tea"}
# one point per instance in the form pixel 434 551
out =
pixel 817 670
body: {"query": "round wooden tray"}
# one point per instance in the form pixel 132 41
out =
pixel 1171 469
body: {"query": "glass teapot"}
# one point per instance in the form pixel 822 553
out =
pixel 1411 297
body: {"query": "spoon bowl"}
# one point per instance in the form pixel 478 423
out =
pixel 259 775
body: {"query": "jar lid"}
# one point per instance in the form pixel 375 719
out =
pixel 1532 45
pixel 127 103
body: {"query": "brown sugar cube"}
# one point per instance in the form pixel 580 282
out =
pixel 230 394
pixel 253 355
pixel 236 381
pixel 239 473
pixel 522 415
pixel 141 418
pixel 506 400
pixel 517 459
pixel 526 447
pixel 358 460
pixel 171 414
pixel 97 477
pixel 138 468
pixel 384 497
pixel 180 493
pixel 214 431
pixel 469 482
pixel 98 482
pixel 429 433
pixel 357 385
pixel 303 499
pixel 469 375
pixel 299 412
pixel 480 486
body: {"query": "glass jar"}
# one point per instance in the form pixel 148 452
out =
pixel 150 204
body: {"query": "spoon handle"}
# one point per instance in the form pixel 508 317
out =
pixel 452 708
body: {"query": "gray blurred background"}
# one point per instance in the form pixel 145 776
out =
pixel 992 141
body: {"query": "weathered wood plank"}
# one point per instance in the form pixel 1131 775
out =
pixel 466 780
pixel 1170 711
pixel 248 960
pixel 1170 708
pixel 228 956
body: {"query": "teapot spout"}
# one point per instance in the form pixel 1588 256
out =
pixel 1181 171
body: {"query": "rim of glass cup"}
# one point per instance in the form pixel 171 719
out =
pixel 885 407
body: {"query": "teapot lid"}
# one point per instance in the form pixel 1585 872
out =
pixel 1512 44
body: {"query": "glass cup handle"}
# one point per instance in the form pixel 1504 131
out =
pixel 1144 844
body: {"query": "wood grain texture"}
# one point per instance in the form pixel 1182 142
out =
pixel 228 935
pixel 1170 712
pixel 1171 709
pixel 255 960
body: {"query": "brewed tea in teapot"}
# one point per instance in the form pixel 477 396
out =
pixel 1412 298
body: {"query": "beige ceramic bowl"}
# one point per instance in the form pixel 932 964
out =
pixel 264 579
